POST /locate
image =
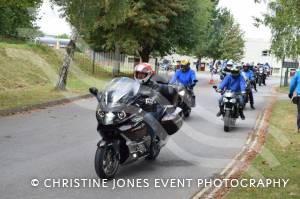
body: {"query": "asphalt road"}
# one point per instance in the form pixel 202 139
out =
pixel 60 142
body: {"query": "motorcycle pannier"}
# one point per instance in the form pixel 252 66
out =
pixel 172 122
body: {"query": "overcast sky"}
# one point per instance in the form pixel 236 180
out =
pixel 243 11
pixel 50 22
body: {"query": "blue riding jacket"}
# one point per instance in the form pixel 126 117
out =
pixel 295 83
pixel 249 75
pixel 235 84
pixel 186 78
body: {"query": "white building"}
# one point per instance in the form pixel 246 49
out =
pixel 258 51
pixel 53 42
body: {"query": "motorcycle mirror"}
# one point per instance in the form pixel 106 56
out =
pixel 93 91
pixel 215 87
pixel 196 81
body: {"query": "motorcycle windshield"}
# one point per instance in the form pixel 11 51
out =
pixel 118 92
pixel 178 83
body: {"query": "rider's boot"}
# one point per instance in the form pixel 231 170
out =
pixel 242 114
pixel 221 111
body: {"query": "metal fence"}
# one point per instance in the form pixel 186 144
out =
pixel 111 63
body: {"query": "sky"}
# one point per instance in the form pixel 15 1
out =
pixel 242 10
pixel 51 23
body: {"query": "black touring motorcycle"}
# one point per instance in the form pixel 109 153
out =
pixel 231 108
pixel 186 98
pixel 122 126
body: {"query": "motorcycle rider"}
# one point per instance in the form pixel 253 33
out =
pixel 264 76
pixel 267 68
pixel 236 83
pixel 185 75
pixel 249 76
pixel 226 69
pixel 153 103
pixel 253 69
pixel 295 88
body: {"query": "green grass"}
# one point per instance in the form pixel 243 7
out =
pixel 29 72
pixel 283 89
pixel 283 126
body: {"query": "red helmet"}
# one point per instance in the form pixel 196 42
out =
pixel 143 72
pixel 246 66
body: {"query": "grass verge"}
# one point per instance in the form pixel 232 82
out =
pixel 29 72
pixel 283 89
pixel 283 142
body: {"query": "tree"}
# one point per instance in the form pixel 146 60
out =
pixel 63 36
pixel 284 21
pixel 209 15
pixel 151 26
pixel 17 17
pixel 82 15
pixel 140 27
pixel 145 28
pixel 225 37
pixel 69 55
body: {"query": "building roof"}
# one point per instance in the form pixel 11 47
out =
pixel 52 40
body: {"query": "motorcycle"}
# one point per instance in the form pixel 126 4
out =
pixel 231 113
pixel 123 129
pixel 187 98
pixel 268 72
pixel 260 76
pixel 222 75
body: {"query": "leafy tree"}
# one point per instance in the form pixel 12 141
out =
pixel 209 15
pixel 17 17
pixel 151 26
pixel 225 37
pixel 284 21
pixel 144 30
pixel 183 29
pixel 84 16
pixel 63 36
pixel 197 19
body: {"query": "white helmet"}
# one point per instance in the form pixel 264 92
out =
pixel 143 72
pixel 229 63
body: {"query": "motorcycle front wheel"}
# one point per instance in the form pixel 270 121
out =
pixel 186 110
pixel 187 113
pixel 107 162
pixel 259 81
pixel 227 121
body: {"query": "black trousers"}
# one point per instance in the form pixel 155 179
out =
pixel 251 98
pixel 253 83
pixel 298 116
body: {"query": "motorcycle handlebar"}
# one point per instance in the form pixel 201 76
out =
pixel 217 90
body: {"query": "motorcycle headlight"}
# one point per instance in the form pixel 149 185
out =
pixel 225 100
pixel 122 115
pixel 109 118
pixel 182 93
pixel 233 101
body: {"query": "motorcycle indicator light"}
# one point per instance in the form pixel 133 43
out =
pixel 122 115
pixel 101 113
